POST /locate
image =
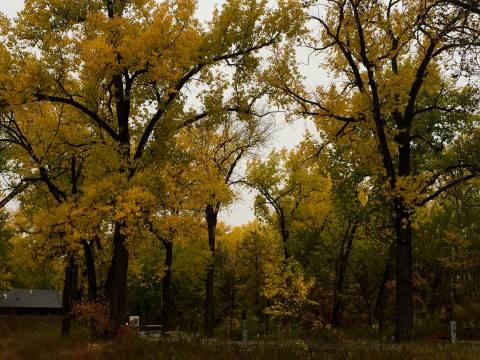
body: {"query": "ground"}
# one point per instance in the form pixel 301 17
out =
pixel 43 341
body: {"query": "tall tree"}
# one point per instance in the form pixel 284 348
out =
pixel 218 147
pixel 49 157
pixel 387 57
pixel 125 67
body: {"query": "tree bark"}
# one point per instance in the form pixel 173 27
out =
pixel 211 215
pixel 285 236
pixel 116 285
pixel 91 271
pixel 404 261
pixel 167 304
pixel 404 265
pixel 341 270
pixel 69 292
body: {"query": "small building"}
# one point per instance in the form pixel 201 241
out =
pixel 31 302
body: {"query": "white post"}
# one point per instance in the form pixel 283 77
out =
pixel 453 332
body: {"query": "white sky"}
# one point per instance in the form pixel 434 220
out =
pixel 288 135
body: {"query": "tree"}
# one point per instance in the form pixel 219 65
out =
pixel 175 216
pixel 291 191
pixel 124 67
pixel 217 147
pixel 50 160
pixel 389 56
pixel 447 254
pixel 251 252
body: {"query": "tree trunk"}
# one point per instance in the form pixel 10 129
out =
pixel 211 215
pixel 382 296
pixel 363 283
pixel 116 285
pixel 166 286
pixel 340 273
pixel 404 261
pixel 91 272
pixel 404 286
pixel 69 292
pixel 267 319
pixel 285 235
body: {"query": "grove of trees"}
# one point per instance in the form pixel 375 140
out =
pixel 127 126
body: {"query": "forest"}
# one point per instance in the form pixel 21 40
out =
pixel 128 127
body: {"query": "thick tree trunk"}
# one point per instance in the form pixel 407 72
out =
pixel 404 265
pixel 69 293
pixel 403 232
pixel 341 270
pixel 117 278
pixel 117 274
pixel 91 271
pixel 166 286
pixel 211 215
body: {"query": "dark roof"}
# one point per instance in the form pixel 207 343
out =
pixel 31 298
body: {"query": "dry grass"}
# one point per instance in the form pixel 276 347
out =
pixel 44 342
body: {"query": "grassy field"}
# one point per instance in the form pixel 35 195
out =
pixel 43 342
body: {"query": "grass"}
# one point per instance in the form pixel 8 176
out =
pixel 44 342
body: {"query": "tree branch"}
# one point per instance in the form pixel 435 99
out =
pixel 17 190
pixel 93 115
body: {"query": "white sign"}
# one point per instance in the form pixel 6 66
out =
pixel 134 321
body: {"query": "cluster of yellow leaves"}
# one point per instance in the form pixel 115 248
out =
pixel 409 188
pixel 133 204
pixel 5 278
pixel 288 289
pixel 290 182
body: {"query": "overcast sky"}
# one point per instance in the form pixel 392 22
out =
pixel 287 135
